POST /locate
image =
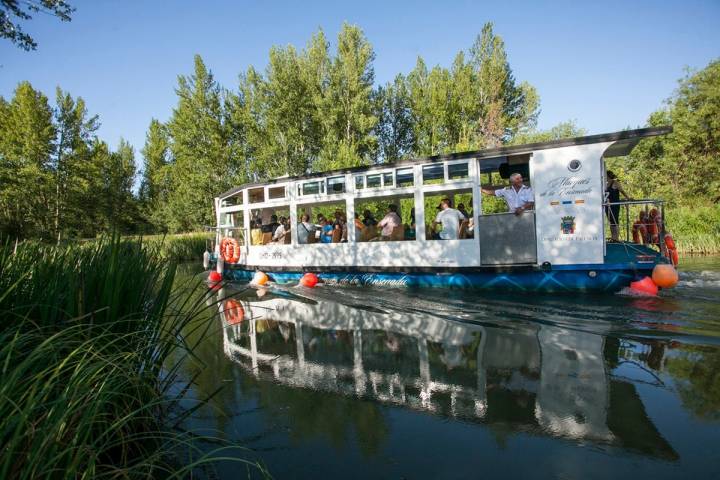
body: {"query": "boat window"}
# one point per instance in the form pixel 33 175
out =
pixel 232 226
pixel 264 224
pixel 336 185
pixel 433 173
pixel 457 170
pixel 313 188
pixel 256 195
pixel 404 177
pixel 276 192
pixel 451 226
pixel 359 182
pixel 387 179
pixel 322 223
pixel 371 211
pixel 373 181
pixel 236 199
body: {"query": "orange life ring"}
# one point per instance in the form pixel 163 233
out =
pixel 670 242
pixel 230 249
pixel 234 312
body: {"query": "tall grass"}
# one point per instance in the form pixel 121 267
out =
pixel 696 229
pixel 180 247
pixel 85 383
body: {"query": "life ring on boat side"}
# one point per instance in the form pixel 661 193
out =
pixel 671 250
pixel 234 312
pixel 230 250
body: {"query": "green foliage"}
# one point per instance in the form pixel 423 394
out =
pixel 14 11
pixel 87 342
pixel 683 167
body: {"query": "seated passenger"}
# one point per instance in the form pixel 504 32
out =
pixel 461 209
pixel 450 220
pixel 272 226
pixel 340 224
pixel 368 219
pixel 389 222
pixel 255 232
pixel 359 225
pixel 518 196
pixel 282 230
pixel 305 229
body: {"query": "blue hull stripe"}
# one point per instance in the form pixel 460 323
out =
pixel 556 280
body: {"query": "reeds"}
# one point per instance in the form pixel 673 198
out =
pixel 86 336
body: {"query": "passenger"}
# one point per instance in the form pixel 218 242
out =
pixel 389 222
pixel 368 219
pixel 305 229
pixel 340 223
pixel 461 209
pixel 272 226
pixel 326 229
pixel 359 225
pixel 282 230
pixel 256 232
pixel 518 197
pixel 612 194
pixel 450 220
pixel 410 230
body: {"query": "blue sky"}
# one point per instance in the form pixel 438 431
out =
pixel 607 65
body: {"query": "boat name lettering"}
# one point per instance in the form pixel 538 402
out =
pixel 564 186
pixel 274 255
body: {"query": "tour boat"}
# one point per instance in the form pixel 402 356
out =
pixel 559 245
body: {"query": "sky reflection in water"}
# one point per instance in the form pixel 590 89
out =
pixel 364 382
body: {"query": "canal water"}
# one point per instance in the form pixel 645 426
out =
pixel 350 382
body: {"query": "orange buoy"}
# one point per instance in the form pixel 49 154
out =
pixel 260 278
pixel 214 277
pixel 665 276
pixel 645 286
pixel 670 242
pixel 234 312
pixel 309 280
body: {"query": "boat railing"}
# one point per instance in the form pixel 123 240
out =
pixel 634 218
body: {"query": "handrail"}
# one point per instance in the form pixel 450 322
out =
pixel 642 201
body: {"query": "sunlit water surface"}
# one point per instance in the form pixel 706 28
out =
pixel 359 382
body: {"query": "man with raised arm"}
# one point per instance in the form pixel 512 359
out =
pixel 518 196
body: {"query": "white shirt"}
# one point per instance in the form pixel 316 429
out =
pixel 515 199
pixel 450 219
pixel 279 232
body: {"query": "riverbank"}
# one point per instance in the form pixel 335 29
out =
pixel 87 339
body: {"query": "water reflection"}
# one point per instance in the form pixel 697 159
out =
pixel 541 378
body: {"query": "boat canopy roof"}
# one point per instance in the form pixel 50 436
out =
pixel 624 142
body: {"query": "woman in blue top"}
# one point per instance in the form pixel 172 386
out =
pixel 326 229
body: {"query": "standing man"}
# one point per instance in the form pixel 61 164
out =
pixel 517 196
pixel 450 220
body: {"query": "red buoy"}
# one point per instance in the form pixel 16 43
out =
pixel 214 277
pixel 309 280
pixel 645 286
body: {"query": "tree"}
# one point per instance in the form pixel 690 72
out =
pixel 394 129
pixel 27 137
pixel 347 108
pixel 199 145
pixel 156 181
pixel 685 165
pixel 12 12
pixel 118 210
pixel 73 167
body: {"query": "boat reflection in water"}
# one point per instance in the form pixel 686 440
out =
pixel 535 378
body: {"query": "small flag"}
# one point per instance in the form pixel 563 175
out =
pixel 567 202
pixel 579 201
pixel 554 202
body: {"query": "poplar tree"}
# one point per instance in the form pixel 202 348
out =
pixel 155 184
pixel 73 167
pixel 394 129
pixel 347 107
pixel 199 147
pixel 27 137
